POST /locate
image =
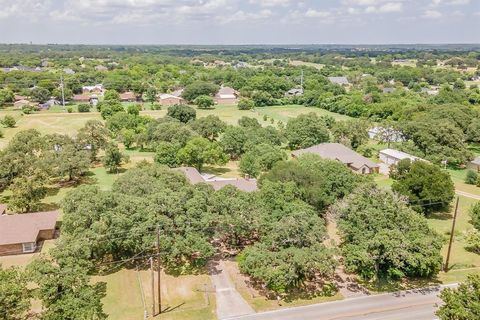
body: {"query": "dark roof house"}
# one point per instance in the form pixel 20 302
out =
pixel 337 151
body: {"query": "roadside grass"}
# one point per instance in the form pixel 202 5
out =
pixel 261 303
pixel 182 297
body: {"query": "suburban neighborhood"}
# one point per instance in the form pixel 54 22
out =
pixel 203 160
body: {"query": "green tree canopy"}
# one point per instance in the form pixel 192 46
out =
pixel 305 131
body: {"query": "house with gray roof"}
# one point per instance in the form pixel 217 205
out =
pixel 336 151
pixel 194 177
pixel 343 81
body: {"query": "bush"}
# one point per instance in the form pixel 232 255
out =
pixel 475 215
pixel 365 150
pixel 204 102
pixel 1 134
pixel 9 121
pixel 69 109
pixel 83 107
pixel 472 238
pixel 471 177
pixel 156 106
pixel 246 104
pixel 27 109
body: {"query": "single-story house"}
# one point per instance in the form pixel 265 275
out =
pixel 392 156
pixel 227 96
pixel 474 164
pixel 295 92
pixel 194 177
pixel 166 99
pixel 343 81
pixel 21 103
pixel 337 151
pixel 98 88
pixel 22 233
pixel 81 98
pixel 128 97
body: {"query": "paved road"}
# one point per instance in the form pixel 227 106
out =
pixel 468 195
pixel 229 302
pixel 405 305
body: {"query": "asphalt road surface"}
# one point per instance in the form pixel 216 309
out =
pixel 419 304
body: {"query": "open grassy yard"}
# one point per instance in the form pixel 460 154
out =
pixel 462 261
pixel 46 122
pixel 183 297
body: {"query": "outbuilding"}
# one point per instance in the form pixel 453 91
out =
pixel 393 157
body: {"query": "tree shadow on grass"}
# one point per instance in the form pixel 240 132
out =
pixel 385 285
pixel 440 216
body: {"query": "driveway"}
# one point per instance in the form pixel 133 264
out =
pixel 229 302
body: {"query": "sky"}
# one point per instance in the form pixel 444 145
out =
pixel 239 21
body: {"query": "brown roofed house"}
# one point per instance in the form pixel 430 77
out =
pixel 337 151
pixel 21 233
pixel 170 99
pixel 128 97
pixel 226 96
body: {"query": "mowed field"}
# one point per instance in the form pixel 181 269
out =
pixel 68 123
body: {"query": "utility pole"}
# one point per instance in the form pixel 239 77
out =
pixel 153 286
pixel 63 91
pixel 451 235
pixel 159 291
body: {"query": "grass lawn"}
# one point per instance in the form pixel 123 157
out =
pixel 47 123
pixel 462 261
pixel 182 297
pixel 259 302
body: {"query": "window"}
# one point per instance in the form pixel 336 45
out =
pixel 29 247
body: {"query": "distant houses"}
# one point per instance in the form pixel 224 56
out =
pixel 389 90
pixel 100 68
pixel 98 88
pixel 22 233
pixel 194 177
pixel 226 96
pixel 393 157
pixel 295 92
pixel 166 99
pixel 128 97
pixel 336 151
pixel 343 81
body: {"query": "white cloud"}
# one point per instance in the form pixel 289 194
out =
pixel 388 7
pixel 312 13
pixel 432 14
pixel 270 3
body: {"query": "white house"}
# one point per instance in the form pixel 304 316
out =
pixel 392 156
